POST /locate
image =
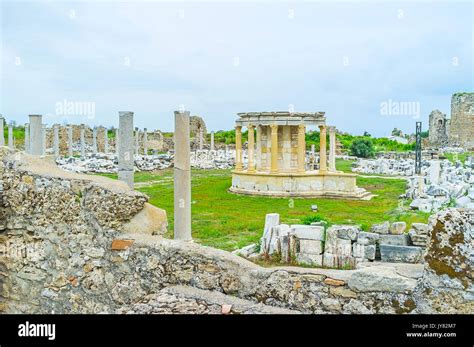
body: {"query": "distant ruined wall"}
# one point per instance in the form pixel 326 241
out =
pixel 438 135
pixel 89 248
pixel 462 120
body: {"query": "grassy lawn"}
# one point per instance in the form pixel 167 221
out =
pixel 228 221
pixel 461 156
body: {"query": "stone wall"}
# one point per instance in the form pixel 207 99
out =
pixel 90 245
pixel 462 120
pixel 438 135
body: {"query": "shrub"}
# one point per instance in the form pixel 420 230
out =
pixel 363 148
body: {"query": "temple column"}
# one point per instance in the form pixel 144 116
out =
pixel 332 149
pixel 251 148
pixel 301 147
pixel 322 149
pixel 259 148
pixel 274 148
pixel 238 148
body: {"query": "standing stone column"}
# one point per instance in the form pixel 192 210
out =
pixel 56 141
pixel 251 148
pixel 106 140
pixel 137 143
pixel 435 170
pixel 69 140
pixel 36 136
pixel 43 136
pixel 10 136
pixel 27 138
pixel 322 149
pixel 259 148
pixel 201 139
pixel 94 140
pixel 301 148
pixel 212 140
pixel 125 158
pixel 274 148
pixel 182 177
pixel 238 148
pixel 2 136
pixel 145 141
pixel 83 142
pixel 332 149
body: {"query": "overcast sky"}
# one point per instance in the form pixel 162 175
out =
pixel 218 58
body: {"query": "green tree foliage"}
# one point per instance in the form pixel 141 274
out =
pixel 362 147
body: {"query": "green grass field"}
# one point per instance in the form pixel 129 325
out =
pixel 228 221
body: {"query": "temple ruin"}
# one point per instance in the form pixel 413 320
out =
pixel 277 158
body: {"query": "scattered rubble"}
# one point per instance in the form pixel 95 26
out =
pixel 338 246
pixel 108 162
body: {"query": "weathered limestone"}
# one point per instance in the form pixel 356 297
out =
pixel 56 141
pixel 251 147
pixel 435 171
pixel 322 149
pixel 69 141
pixel 438 134
pixel 106 140
pixel 125 157
pixel 447 285
pixel 27 138
pixel 182 177
pixel 301 148
pixel 36 135
pixel 462 120
pixel 94 140
pixel 274 148
pixel 137 141
pixel 238 148
pixel 332 149
pixel 10 136
pixel 2 136
pixel 201 139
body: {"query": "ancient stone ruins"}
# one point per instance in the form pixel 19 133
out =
pixel 77 243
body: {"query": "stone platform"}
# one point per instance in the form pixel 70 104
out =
pixel 309 184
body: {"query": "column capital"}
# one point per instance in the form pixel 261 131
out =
pixel 274 126
pixel 322 127
pixel 238 127
pixel 332 129
pixel 250 126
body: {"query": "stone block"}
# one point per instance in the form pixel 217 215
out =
pixel 310 247
pixel 396 240
pixel 420 228
pixel 334 261
pixel 363 251
pixel 401 254
pixel 372 238
pixel 382 228
pixel 398 228
pixel 309 259
pixel 120 245
pixel 347 232
pixel 308 232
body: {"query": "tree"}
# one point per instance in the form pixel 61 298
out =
pixel 367 134
pixel 363 148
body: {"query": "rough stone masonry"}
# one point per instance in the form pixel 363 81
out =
pixel 72 243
